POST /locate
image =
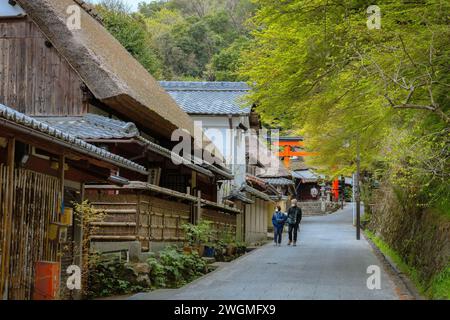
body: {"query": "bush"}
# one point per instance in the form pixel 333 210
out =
pixel 174 268
pixel 109 278
pixel 197 234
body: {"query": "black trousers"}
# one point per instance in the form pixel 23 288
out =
pixel 293 228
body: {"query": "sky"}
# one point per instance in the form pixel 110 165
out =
pixel 133 4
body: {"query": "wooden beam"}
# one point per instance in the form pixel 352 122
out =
pixel 296 154
pixel 7 221
pixel 62 161
pixel 289 143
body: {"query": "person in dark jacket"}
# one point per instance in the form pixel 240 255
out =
pixel 278 220
pixel 294 217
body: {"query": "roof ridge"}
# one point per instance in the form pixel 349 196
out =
pixel 205 85
pixel 89 8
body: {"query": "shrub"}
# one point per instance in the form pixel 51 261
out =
pixel 197 234
pixel 174 268
pixel 109 278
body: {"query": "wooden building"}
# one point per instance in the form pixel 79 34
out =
pixel 80 83
pixel 42 170
pixel 235 127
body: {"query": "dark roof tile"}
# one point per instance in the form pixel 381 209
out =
pixel 215 98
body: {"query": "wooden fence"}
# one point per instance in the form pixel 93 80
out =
pixel 221 223
pixel 147 218
pixel 36 202
pixel 140 217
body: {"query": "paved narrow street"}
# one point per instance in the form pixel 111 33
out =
pixel 328 263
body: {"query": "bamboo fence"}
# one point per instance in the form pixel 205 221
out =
pixel 36 202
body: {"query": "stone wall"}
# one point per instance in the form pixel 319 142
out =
pixel 315 207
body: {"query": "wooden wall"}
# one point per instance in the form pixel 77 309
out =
pixel 34 78
pixel 256 221
pixel 141 217
pixel 221 222
pixel 148 219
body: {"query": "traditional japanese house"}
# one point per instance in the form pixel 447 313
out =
pixel 305 180
pixel 275 176
pixel 60 66
pixel 42 172
pixel 219 107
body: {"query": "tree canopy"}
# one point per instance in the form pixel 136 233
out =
pixel 316 67
pixel 183 39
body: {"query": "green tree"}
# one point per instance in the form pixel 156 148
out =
pixel 130 30
pixel 316 66
pixel 189 35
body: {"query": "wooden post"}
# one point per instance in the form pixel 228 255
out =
pixel 62 161
pixel 139 222
pixel 199 206
pixel 7 222
pixel 78 244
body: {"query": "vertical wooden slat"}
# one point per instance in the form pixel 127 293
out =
pixel 2 212
pixel 7 222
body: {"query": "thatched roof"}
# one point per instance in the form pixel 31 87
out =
pixel 110 72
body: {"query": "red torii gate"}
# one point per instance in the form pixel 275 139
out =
pixel 288 143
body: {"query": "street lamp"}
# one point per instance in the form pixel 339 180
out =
pixel 356 187
pixel 357 191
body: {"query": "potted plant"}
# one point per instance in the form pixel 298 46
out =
pixel 230 246
pixel 241 248
pixel 210 250
pixel 196 236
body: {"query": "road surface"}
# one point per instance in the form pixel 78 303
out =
pixel 328 263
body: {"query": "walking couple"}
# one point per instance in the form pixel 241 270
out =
pixel 292 218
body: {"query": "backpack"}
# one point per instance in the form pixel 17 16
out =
pixel 292 217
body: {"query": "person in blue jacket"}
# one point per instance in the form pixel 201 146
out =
pixel 278 221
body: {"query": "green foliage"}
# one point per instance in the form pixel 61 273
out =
pixel 440 285
pixel 174 268
pixel 198 234
pixel 180 39
pixel 437 288
pixel 130 30
pixel 318 71
pixel 396 258
pixel 109 278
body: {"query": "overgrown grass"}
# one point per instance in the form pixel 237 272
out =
pixel 439 287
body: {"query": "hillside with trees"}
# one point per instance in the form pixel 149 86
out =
pixel 183 39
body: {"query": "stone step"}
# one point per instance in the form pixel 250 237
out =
pixel 209 260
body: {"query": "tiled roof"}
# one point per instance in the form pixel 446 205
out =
pixel 238 195
pixel 92 126
pixel 278 181
pixel 255 192
pixel 20 119
pixel 215 98
pixel 307 176
pixel 297 164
